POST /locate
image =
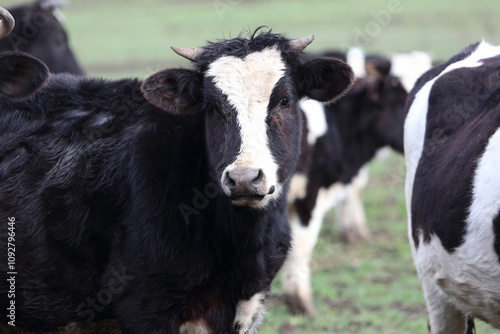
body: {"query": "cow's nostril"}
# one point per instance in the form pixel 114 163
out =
pixel 271 190
pixel 258 179
pixel 230 183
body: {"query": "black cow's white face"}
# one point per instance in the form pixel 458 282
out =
pixel 249 91
pixel 245 87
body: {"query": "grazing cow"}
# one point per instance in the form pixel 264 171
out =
pixel 452 145
pixel 40 33
pixel 21 75
pixel 339 139
pixel 161 203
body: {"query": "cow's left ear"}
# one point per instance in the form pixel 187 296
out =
pixel 173 90
pixel 325 79
pixel 21 75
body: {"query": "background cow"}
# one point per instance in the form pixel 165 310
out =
pixel 338 141
pixel 160 203
pixel 407 67
pixel 452 145
pixel 40 32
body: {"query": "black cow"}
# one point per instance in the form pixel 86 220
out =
pixel 339 139
pixel 21 75
pixel 452 145
pixel 160 203
pixel 39 32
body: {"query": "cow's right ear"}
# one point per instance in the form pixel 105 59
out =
pixel 173 90
pixel 21 75
pixel 325 79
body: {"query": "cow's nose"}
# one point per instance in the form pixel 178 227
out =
pixel 244 182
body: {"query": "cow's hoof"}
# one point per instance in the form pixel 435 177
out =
pixel 297 305
pixel 354 235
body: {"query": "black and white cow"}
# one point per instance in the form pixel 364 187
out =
pixel 452 145
pixel 407 67
pixel 40 32
pixel 338 141
pixel 21 75
pixel 160 203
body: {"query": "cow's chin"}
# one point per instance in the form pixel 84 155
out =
pixel 256 201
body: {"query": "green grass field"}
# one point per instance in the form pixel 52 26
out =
pixel 365 288
pixel 132 38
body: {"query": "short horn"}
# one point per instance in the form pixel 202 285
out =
pixel 300 44
pixel 188 53
pixel 7 23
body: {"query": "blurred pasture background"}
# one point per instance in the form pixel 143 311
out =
pixel 116 38
pixel 364 288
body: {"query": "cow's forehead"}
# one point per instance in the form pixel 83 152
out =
pixel 248 84
pixel 248 80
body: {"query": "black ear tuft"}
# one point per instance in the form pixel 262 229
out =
pixel 21 75
pixel 174 90
pixel 325 79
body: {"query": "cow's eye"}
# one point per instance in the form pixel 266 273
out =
pixel 285 102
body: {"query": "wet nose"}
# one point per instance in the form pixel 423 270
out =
pixel 244 182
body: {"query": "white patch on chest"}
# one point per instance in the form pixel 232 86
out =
pixel 249 314
pixel 316 119
pixel 248 84
pixel 194 327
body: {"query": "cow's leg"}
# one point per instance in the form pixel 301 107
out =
pixel 350 212
pixel 443 316
pixel 296 279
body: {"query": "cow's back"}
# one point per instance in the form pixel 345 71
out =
pixel 67 175
pixel 50 169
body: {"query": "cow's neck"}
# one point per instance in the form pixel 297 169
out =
pixel 248 239
pixel 243 229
